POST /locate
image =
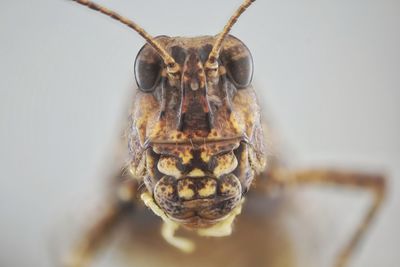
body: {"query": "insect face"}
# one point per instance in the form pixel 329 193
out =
pixel 195 135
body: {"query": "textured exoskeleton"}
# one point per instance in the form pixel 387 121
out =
pixel 196 142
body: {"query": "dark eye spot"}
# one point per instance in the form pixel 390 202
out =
pixel 238 62
pixel 240 71
pixel 148 66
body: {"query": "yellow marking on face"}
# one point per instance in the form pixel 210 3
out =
pixel 196 172
pixel 186 193
pixel 184 190
pixel 209 189
pixel 167 165
pixel 186 156
pixel 226 163
pixel 205 154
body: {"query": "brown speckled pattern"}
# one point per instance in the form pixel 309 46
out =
pixel 199 134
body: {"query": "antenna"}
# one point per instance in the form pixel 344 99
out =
pixel 172 67
pixel 214 54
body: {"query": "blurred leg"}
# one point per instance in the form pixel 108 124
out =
pixel 373 183
pixel 99 233
pixel 90 243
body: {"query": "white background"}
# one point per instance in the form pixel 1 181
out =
pixel 327 74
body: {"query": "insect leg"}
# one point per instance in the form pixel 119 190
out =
pixel 376 184
pixel 98 234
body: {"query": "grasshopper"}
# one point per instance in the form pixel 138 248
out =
pixel 196 143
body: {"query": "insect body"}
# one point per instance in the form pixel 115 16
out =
pixel 195 138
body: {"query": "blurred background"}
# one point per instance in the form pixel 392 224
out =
pixel 327 74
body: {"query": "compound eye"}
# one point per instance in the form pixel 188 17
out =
pixel 237 59
pixel 148 66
